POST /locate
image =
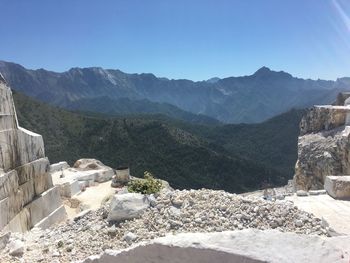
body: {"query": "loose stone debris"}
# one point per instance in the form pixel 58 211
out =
pixel 171 212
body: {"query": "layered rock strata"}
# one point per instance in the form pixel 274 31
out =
pixel 323 145
pixel 27 195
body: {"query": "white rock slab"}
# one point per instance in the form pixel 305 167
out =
pixel 68 185
pixel 338 187
pixel 249 246
pixel 57 216
pixel 44 205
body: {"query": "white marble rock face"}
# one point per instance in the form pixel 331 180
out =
pixel 323 146
pixel 24 172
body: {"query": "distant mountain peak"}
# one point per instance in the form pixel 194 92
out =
pixel 265 71
pixel 213 80
pixel 262 71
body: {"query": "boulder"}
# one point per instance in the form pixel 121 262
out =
pixel 127 206
pixel 129 237
pixel 302 193
pixel 70 188
pixel 16 248
pixel 317 192
pixel 338 187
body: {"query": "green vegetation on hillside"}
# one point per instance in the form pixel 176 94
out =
pixel 230 157
pixel 115 107
pixel 273 143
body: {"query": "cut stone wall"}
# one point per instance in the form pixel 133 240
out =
pixel 27 195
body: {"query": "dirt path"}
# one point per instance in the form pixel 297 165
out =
pixel 92 197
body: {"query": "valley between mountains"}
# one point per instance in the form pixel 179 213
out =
pixel 235 158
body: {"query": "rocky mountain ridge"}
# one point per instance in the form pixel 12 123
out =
pixel 247 99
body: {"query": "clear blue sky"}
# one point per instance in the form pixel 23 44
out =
pixel 193 39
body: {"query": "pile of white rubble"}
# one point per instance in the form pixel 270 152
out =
pixel 171 212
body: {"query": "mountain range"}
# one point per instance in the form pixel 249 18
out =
pixel 247 99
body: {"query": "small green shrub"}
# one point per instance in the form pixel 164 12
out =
pixel 148 185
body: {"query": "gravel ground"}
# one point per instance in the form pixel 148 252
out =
pixel 171 212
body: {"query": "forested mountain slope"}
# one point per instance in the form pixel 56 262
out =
pixel 187 155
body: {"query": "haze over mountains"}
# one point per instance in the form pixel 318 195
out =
pixel 247 99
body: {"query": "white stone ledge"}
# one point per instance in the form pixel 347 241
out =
pixel 30 133
pixel 44 205
pixel 249 246
pixel 57 216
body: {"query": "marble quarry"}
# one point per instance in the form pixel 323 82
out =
pixel 27 196
pixel 324 149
